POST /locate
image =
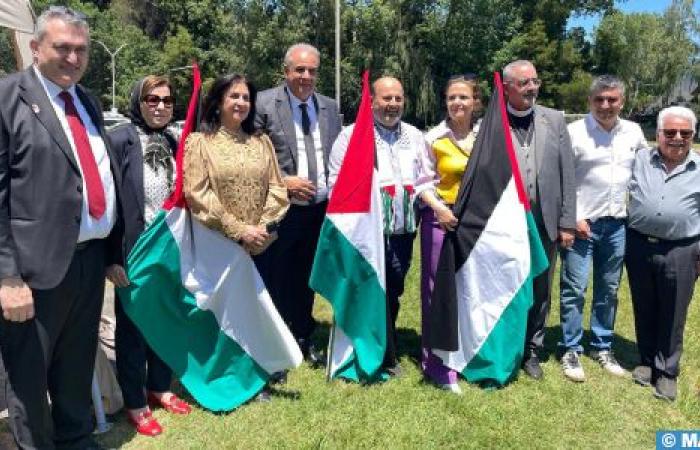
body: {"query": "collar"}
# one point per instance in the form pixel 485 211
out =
pixel 51 88
pixel 384 131
pixel 295 101
pixel 594 124
pixel 691 160
pixel 518 113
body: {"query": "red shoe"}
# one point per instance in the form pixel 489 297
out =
pixel 145 424
pixel 173 405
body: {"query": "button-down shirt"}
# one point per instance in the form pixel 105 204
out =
pixel 302 160
pixel 665 204
pixel 90 228
pixel 603 165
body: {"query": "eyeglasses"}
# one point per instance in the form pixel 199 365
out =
pixel 670 133
pixel 154 100
pixel 603 99
pixel 526 81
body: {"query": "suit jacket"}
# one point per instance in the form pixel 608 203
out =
pixel 556 180
pixel 40 184
pixel 274 116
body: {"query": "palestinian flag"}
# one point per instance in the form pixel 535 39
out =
pixel 483 286
pixel 201 305
pixel 348 268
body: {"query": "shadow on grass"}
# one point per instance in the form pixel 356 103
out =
pixel 624 349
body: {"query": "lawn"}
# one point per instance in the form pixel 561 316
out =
pixel 604 412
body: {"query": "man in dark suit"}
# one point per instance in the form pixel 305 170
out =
pixel 546 162
pixel 58 235
pixel 302 125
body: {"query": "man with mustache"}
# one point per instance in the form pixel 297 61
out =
pixel 546 162
pixel 662 254
pixel 398 149
pixel 604 149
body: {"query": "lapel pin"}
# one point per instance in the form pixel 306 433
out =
pixel 35 108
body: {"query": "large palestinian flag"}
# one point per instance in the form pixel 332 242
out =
pixel 348 268
pixel 201 305
pixel 483 288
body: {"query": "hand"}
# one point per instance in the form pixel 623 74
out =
pixel 117 275
pixel 300 188
pixel 566 237
pixel 16 300
pixel 254 236
pixel 445 218
pixel 583 229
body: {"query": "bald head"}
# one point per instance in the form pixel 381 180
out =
pixel 387 101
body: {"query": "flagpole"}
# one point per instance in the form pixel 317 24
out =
pixel 337 53
pixel 329 352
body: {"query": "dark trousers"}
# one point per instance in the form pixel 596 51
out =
pixel 55 353
pixel 285 267
pixel 542 293
pixel 662 278
pixel 398 249
pixel 137 365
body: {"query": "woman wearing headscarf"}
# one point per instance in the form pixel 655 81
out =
pixel 146 151
pixel 447 151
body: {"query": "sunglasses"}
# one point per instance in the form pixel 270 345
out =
pixel 526 81
pixel 671 133
pixel 154 100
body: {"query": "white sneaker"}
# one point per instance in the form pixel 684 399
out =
pixel 451 387
pixel 607 361
pixel 571 366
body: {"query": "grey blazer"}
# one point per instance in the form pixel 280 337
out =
pixel 556 181
pixel 273 115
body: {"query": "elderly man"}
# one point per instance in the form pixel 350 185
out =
pixel 398 147
pixel 546 165
pixel 302 125
pixel 662 247
pixel 58 209
pixel 604 149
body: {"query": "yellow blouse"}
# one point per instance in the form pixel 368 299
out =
pixel 233 180
pixel 450 164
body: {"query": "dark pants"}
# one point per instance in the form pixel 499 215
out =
pixel 542 293
pixel 285 267
pixel 55 353
pixel 137 365
pixel 398 249
pixel 662 278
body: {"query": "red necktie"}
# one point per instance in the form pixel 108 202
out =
pixel 95 191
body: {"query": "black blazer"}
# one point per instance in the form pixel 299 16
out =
pixel 40 185
pixel 126 144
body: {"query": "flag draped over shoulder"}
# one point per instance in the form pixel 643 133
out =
pixel 483 286
pixel 201 305
pixel 348 269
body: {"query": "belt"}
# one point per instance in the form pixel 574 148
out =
pixel 657 240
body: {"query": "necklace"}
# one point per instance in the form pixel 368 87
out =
pixel 524 137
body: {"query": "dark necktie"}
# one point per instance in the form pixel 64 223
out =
pixel 309 143
pixel 91 175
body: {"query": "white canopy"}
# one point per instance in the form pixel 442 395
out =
pixel 17 15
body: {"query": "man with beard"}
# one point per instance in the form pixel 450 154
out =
pixel 604 149
pixel 546 166
pixel 398 147
pixel 662 254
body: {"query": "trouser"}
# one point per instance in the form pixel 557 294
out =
pixel 606 250
pixel 542 293
pixel 137 365
pixel 55 353
pixel 662 278
pixel 398 249
pixel 285 267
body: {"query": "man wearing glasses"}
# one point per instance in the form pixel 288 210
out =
pixel 604 149
pixel 662 247
pixel 58 231
pixel 546 164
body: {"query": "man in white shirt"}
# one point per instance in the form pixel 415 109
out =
pixel 604 149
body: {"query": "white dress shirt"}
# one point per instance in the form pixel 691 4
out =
pixel 603 164
pixel 90 228
pixel 302 160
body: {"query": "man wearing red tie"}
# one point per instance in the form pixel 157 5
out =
pixel 58 236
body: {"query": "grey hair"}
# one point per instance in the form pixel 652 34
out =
pixel 677 111
pixel 302 46
pixel 510 67
pixel 62 13
pixel 606 82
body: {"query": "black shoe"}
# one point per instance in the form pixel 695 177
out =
pixel 642 375
pixel 531 366
pixel 279 377
pixel 314 357
pixel 264 396
pixel 665 388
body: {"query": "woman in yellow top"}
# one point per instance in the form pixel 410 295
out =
pixel 448 146
pixel 232 182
